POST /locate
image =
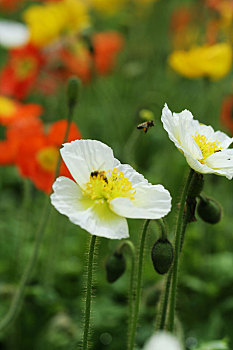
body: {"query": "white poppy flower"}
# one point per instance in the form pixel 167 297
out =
pixel 162 341
pixel 205 150
pixel 13 34
pixel 105 191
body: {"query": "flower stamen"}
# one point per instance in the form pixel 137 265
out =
pixel 207 147
pixel 105 186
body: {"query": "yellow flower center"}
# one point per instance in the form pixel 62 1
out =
pixel 24 67
pixel 48 157
pixel 105 186
pixel 207 148
pixel 7 107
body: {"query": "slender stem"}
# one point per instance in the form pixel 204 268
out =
pixel 164 304
pixel 177 252
pixel 163 228
pixel 138 287
pixel 131 294
pixel 16 302
pixel 184 226
pixel 88 293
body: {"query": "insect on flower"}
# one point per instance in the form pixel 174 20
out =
pixel 100 174
pixel 146 125
pixel 104 192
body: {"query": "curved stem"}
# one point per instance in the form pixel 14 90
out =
pixel 163 228
pixel 88 293
pixel 138 287
pixel 164 304
pixel 177 252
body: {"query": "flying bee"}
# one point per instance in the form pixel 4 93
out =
pixel 146 125
pixel 101 175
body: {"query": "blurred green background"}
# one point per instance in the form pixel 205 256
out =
pixel 51 314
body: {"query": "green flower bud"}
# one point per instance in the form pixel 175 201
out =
pixel 162 255
pixel 209 210
pixel 115 267
pixel 73 91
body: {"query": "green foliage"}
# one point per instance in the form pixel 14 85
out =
pixel 109 110
pixel 214 345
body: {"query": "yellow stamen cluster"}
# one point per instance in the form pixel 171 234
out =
pixel 207 148
pixel 7 107
pixel 48 157
pixel 105 186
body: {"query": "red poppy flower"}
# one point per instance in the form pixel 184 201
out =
pixel 16 132
pixel 10 5
pixel 11 110
pixel 19 74
pixel 227 113
pixel 37 156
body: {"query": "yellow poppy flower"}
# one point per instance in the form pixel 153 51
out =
pixel 49 21
pixel 213 61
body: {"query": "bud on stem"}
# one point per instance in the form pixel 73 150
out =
pixel 115 267
pixel 162 255
pixel 73 91
pixel 209 210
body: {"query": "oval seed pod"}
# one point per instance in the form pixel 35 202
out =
pixel 209 210
pixel 162 255
pixel 115 267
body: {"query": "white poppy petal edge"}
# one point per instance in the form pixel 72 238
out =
pixel 68 200
pixel 204 149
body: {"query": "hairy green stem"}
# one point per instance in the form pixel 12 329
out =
pixel 88 293
pixel 164 304
pixel 175 267
pixel 138 286
pixel 131 295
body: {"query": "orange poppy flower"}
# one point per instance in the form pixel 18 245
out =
pixel 227 113
pixel 22 128
pixel 11 110
pixel 79 61
pixel 106 46
pixel 20 72
pixel 37 156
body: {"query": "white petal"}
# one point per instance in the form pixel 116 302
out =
pixel 197 166
pixel 222 163
pixel 223 139
pixel 151 202
pixel 162 341
pixel 180 128
pixel 84 156
pixel 133 176
pixel 13 34
pixel 98 220
pixel 206 130
pixel 171 125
